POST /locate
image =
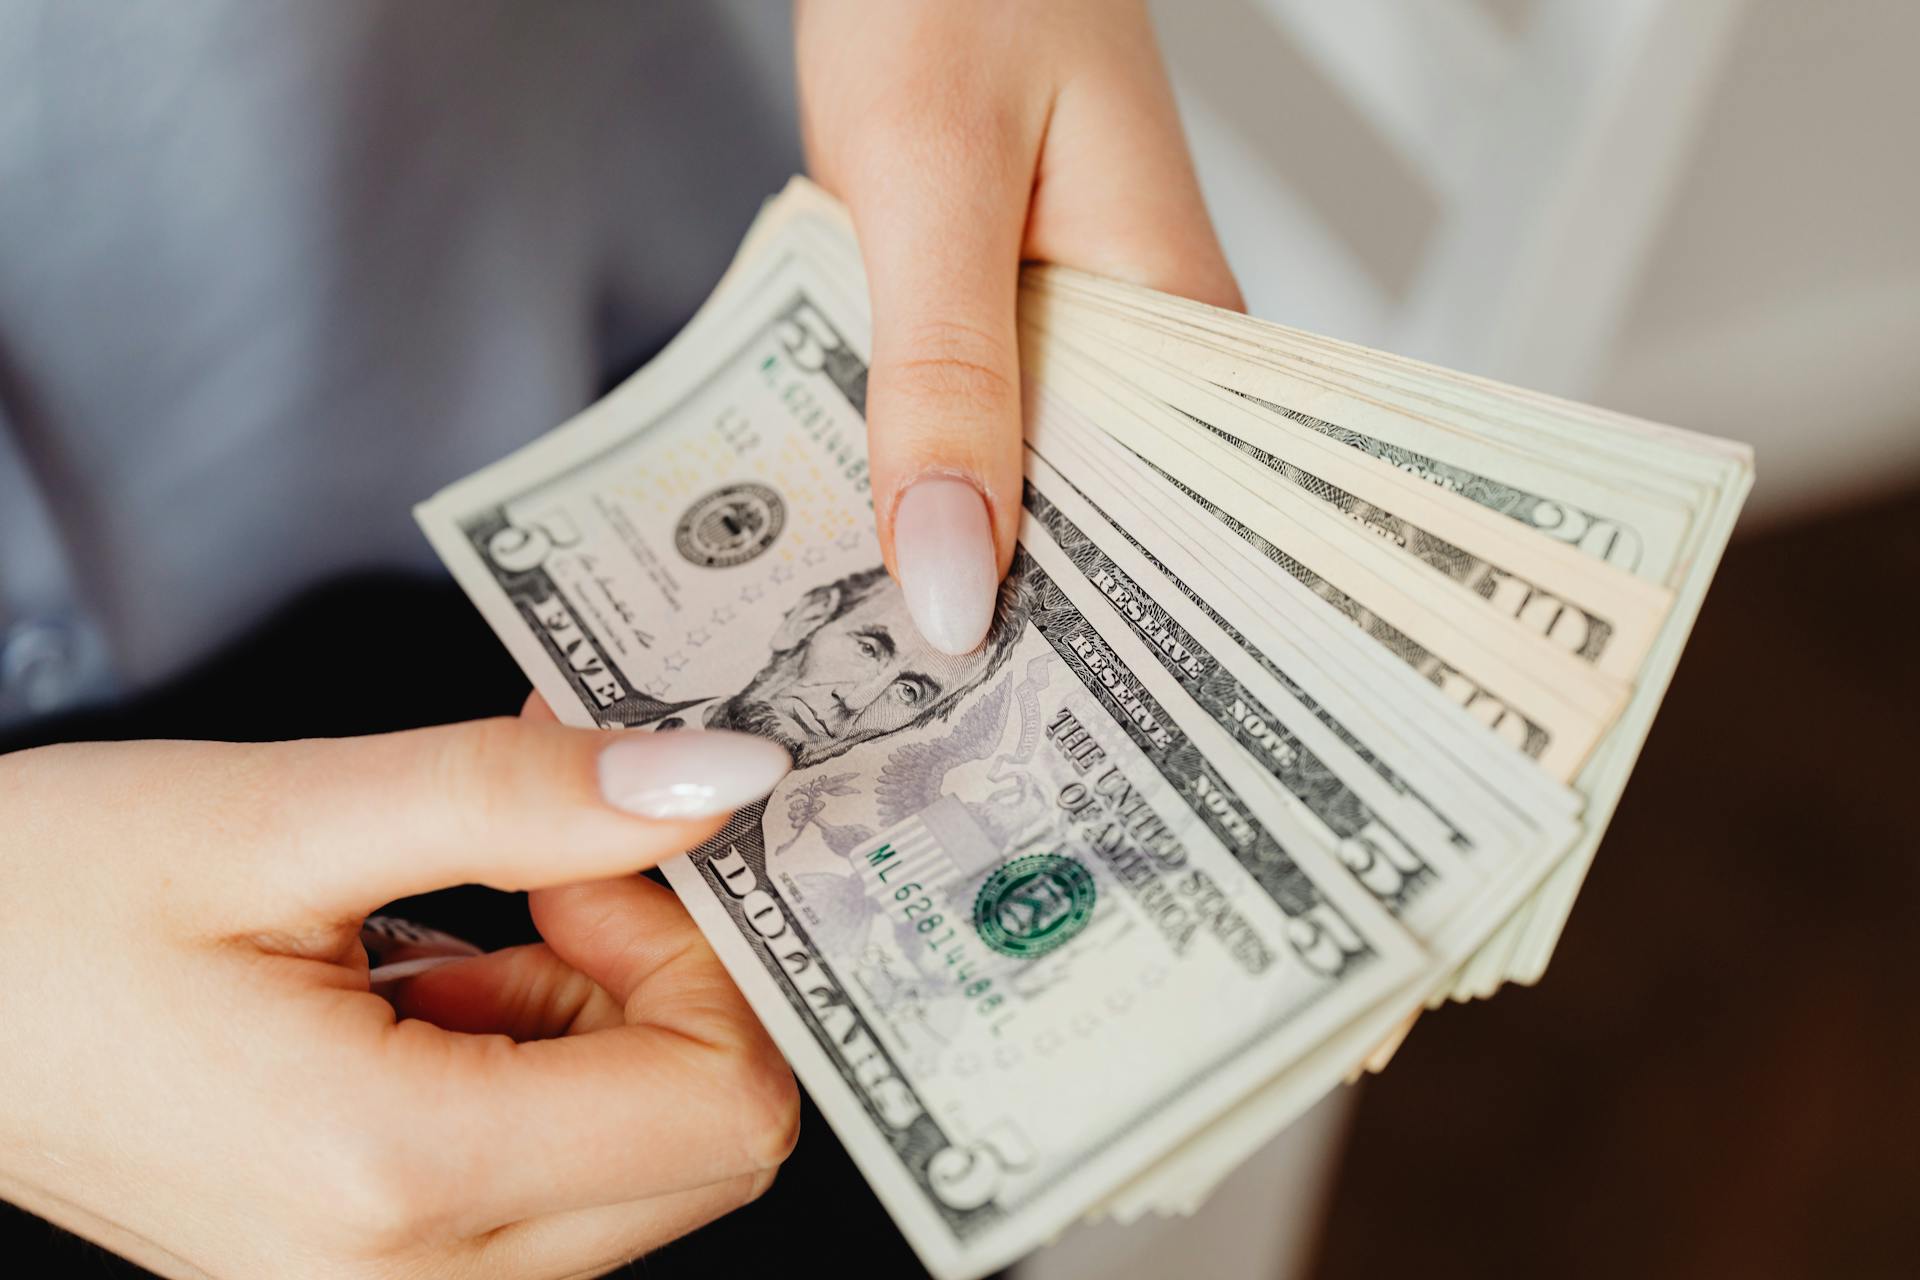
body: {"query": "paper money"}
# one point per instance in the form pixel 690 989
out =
pixel 994 884
pixel 1653 501
pixel 1290 721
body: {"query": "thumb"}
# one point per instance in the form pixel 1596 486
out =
pixel 942 254
pixel 508 803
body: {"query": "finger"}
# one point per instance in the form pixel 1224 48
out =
pixel 536 708
pixel 938 195
pixel 508 803
pixel 687 1092
pixel 1116 192
pixel 527 993
pixel 632 936
pixel 591 1242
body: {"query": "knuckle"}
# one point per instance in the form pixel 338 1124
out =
pixel 482 754
pixel 381 1202
pixel 940 120
pixel 475 767
pixel 948 360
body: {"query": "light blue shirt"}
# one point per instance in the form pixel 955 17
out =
pixel 273 270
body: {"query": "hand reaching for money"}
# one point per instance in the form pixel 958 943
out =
pixel 963 139
pixel 198 1076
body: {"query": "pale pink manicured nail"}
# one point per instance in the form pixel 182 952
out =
pixel 689 773
pixel 943 548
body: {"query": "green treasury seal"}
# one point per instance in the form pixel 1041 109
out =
pixel 1033 904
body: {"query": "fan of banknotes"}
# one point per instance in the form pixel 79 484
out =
pixel 1316 679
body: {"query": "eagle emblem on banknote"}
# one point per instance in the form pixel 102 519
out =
pixel 730 526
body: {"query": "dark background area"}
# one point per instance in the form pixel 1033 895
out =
pixel 1715 1077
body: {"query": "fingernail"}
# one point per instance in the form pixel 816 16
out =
pixel 693 773
pixel 943 548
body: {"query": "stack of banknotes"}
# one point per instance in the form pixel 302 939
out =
pixel 1316 679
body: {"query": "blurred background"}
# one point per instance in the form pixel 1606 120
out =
pixel 1701 211
pixel 1705 212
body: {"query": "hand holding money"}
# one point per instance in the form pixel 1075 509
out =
pixel 287 1122
pixel 1311 685
pixel 965 139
